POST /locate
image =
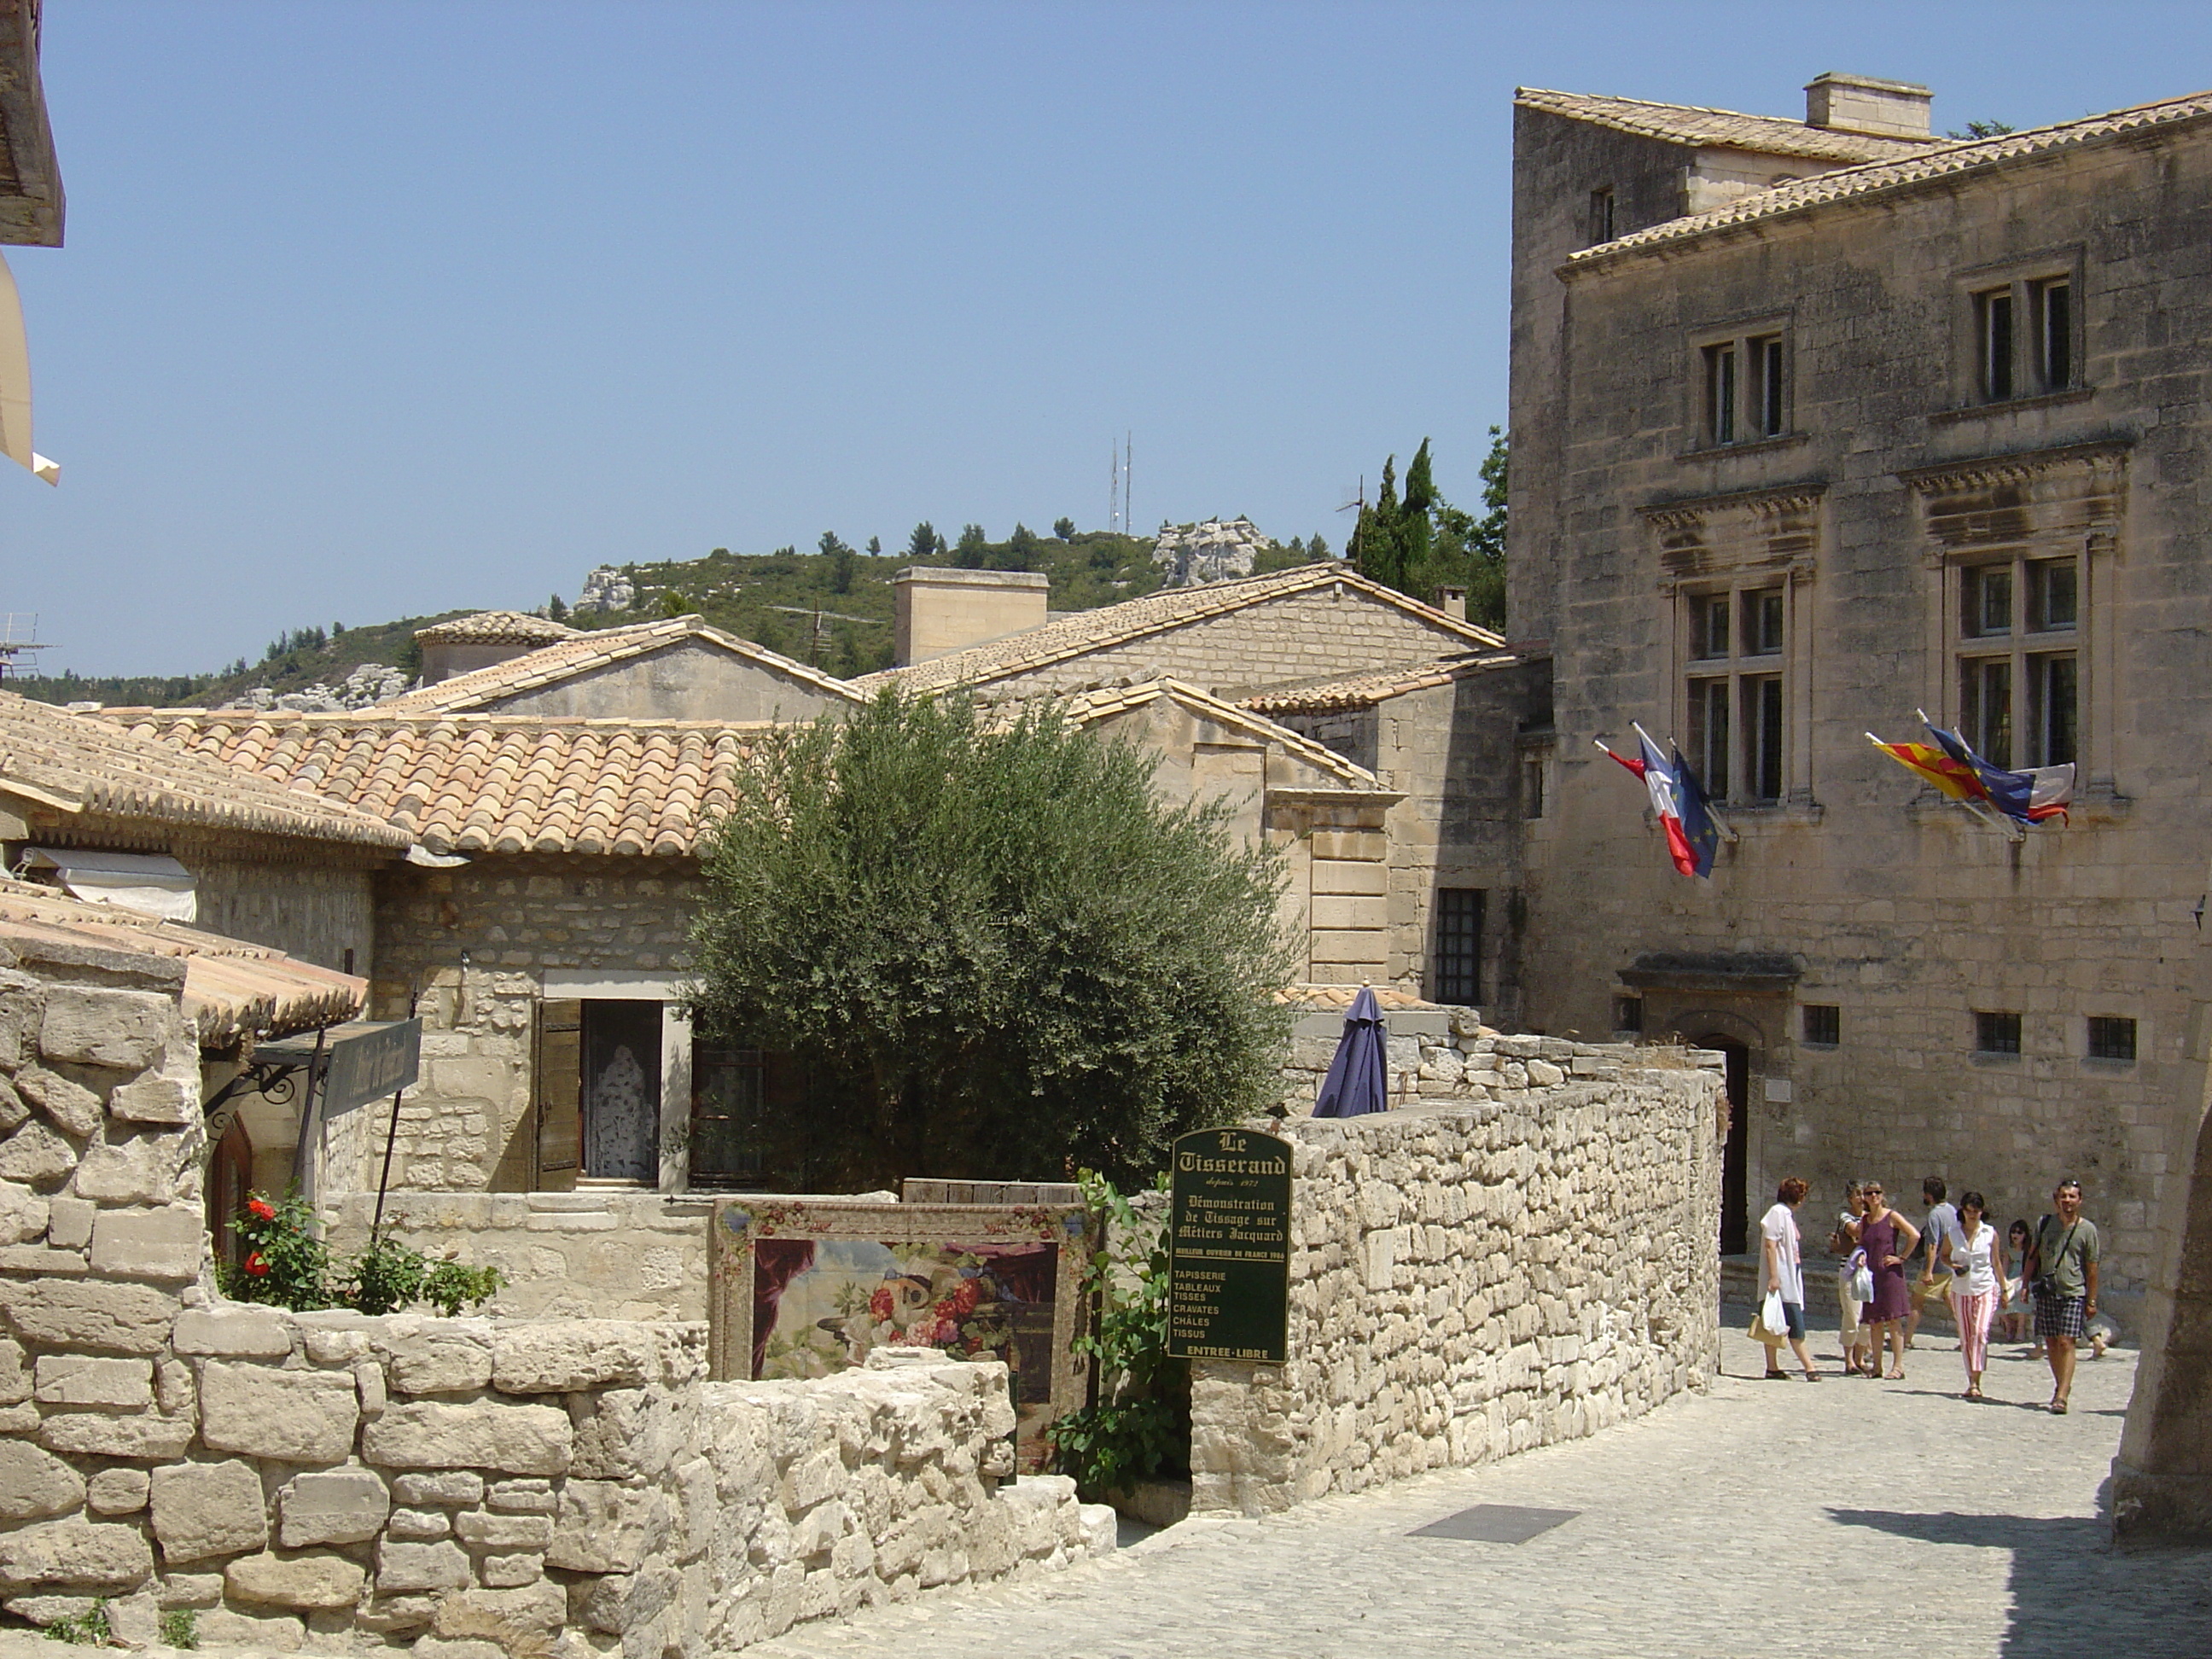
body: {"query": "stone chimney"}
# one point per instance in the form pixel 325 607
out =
pixel 467 643
pixel 1452 601
pixel 1858 103
pixel 937 610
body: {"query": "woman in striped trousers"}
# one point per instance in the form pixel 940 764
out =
pixel 1975 1255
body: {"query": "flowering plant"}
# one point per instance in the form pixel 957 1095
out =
pixel 286 1266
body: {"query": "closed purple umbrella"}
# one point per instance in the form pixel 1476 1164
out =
pixel 1357 1080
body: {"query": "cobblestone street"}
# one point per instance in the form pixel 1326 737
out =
pixel 1762 1518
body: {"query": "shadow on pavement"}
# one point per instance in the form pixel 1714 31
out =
pixel 2070 1593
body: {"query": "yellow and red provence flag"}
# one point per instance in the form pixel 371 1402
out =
pixel 1954 778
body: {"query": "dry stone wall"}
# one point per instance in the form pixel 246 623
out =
pixel 473 1487
pixel 1470 1278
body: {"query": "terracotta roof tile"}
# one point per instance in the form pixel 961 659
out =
pixel 79 764
pixel 477 783
pixel 1086 631
pixel 232 989
pixel 1924 167
pixel 495 628
pixel 1364 690
pixel 1721 129
pixel 583 653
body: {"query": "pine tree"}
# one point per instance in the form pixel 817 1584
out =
pixel 925 543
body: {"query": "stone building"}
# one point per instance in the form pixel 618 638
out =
pixel 1816 424
pixel 679 669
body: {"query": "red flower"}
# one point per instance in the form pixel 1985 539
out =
pixel 945 1310
pixel 256 1266
pixel 879 1305
pixel 259 1210
pixel 965 1296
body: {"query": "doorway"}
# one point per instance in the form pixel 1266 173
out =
pixel 1735 1153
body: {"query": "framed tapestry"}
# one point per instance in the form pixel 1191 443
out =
pixel 805 1286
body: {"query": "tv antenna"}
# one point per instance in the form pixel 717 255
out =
pixel 1359 494
pixel 19 631
pixel 820 616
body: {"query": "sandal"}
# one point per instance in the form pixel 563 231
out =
pixel 1811 1376
pixel 1778 1377
pixel 1897 1376
pixel 2059 1408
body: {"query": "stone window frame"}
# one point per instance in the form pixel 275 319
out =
pixel 2027 508
pixel 1755 422
pixel 1735 545
pixel 2022 281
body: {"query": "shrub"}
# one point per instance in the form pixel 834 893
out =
pixel 286 1266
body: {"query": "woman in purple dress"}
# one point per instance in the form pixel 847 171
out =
pixel 1888 1240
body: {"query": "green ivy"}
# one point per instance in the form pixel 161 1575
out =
pixel 89 1629
pixel 180 1628
pixel 286 1266
pixel 1140 1425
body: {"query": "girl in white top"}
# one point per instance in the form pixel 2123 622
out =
pixel 1975 1258
pixel 1782 1269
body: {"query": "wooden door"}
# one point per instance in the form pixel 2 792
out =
pixel 557 1080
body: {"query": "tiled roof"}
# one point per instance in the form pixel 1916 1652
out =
pixel 79 764
pixel 583 653
pixel 477 783
pixel 232 989
pixel 1106 702
pixel 1085 631
pixel 495 628
pixel 1944 162
pixel 1686 124
pixel 1364 690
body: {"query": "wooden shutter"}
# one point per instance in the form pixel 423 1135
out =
pixel 557 1082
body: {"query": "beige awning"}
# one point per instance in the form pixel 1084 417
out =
pixel 16 384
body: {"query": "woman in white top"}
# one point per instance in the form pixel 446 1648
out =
pixel 1843 1243
pixel 1976 1257
pixel 1781 1267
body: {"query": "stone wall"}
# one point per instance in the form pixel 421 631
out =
pixel 513 917
pixel 474 1480
pixel 596 1254
pixel 1469 1280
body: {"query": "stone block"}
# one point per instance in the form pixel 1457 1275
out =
pixel 189 1589
pixel 69 1222
pixel 125 1030
pixel 437 1364
pixel 74 1379
pixel 486 1529
pixel 73 1108
pixel 37 1153
pixel 485 1434
pixel 441 1566
pixel 144 1437
pixel 39 1260
pixel 16 1373
pixel 274 1634
pixel 201 1511
pixel 105 1318
pixel 89 1555
pixel 507 1571
pixel 540 1607
pixel 527 1496
pixel 562 1359
pixel 450 1487
pixel 13 1111
pixel 23 1213
pixel 294 1417
pixel 154 1100
pixel 116 1491
pixel 165 1244
pixel 296 1581
pixel 418 1524
pixel 34 1485
pixel 337 1506
pixel 124 1168
pixel 234 1330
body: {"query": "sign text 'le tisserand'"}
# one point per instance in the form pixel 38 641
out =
pixel 1228 1245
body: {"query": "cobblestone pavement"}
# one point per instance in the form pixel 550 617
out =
pixel 1760 1518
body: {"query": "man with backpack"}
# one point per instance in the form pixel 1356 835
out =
pixel 2063 1274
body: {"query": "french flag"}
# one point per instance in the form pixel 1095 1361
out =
pixel 1679 801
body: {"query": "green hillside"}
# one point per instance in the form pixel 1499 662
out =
pixel 831 607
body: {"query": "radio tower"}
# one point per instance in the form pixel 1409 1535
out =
pixel 1114 492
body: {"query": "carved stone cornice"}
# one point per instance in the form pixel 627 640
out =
pixel 1689 512
pixel 2108 456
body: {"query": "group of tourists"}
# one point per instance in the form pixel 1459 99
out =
pixel 1892 1272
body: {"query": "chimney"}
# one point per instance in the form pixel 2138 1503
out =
pixel 1859 103
pixel 936 611
pixel 1452 601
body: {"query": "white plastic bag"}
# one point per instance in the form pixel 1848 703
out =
pixel 1770 1314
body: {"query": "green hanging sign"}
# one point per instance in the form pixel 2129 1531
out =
pixel 1228 1247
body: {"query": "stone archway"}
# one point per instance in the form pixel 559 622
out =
pixel 1743 1044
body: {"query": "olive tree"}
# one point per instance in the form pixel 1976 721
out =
pixel 993 948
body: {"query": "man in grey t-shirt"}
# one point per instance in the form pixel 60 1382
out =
pixel 1934 1283
pixel 2065 1267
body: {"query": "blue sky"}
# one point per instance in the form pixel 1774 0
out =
pixel 375 309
